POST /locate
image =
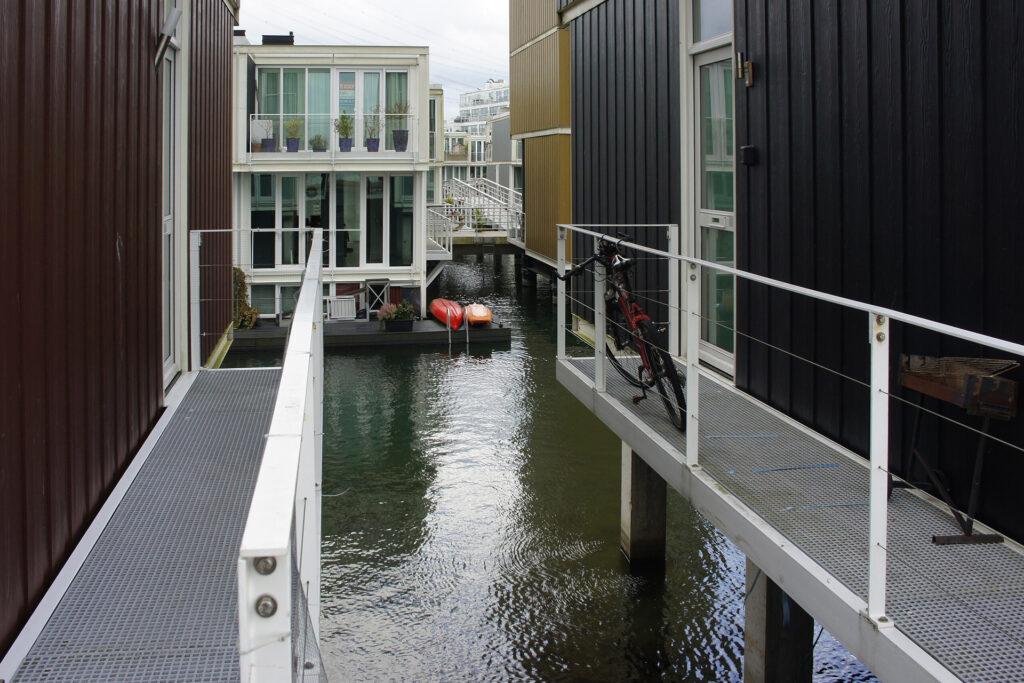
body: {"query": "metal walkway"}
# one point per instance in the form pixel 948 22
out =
pixel 156 599
pixel 963 605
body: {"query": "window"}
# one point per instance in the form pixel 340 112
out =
pixel 401 221
pixel 397 100
pixel 263 298
pixel 375 219
pixel 711 18
pixel 262 211
pixel 346 240
pixel 289 220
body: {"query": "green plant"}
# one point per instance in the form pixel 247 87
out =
pixel 449 200
pixel 244 315
pixel 401 311
pixel 398 108
pixel 478 218
pixel 293 128
pixel 344 125
pixel 318 142
pixel 372 123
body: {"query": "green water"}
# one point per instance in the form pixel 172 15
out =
pixel 471 523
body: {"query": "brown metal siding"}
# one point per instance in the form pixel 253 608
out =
pixel 529 19
pixel 549 192
pixel 210 161
pixel 540 92
pixel 81 358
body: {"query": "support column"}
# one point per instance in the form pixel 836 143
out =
pixel 778 634
pixel 642 514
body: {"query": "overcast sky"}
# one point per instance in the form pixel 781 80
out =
pixel 468 39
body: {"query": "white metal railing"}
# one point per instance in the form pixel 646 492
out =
pixel 500 192
pixel 876 331
pixel 347 134
pixel 282 533
pixel 473 209
pixel 440 228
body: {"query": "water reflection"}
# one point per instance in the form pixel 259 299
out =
pixel 471 523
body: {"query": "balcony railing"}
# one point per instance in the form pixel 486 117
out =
pixel 319 134
pixel 440 227
pixel 279 559
pixel 458 152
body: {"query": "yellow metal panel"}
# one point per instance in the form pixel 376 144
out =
pixel 540 85
pixel 529 19
pixel 548 192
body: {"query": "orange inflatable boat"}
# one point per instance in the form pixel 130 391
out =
pixel 447 312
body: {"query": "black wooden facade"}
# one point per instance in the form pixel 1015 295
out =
pixel 890 140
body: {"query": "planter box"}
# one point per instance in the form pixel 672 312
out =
pixel 398 325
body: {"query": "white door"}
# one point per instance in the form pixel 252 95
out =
pixel 715 202
pixel 169 266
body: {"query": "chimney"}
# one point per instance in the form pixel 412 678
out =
pixel 279 40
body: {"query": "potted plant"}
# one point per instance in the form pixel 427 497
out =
pixel 344 125
pixel 318 143
pixel 372 131
pixel 293 129
pixel 400 136
pixel 397 317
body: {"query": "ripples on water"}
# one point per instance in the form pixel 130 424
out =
pixel 471 524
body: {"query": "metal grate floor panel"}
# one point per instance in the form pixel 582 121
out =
pixel 962 604
pixel 157 597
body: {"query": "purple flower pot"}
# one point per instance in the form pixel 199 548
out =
pixel 345 144
pixel 401 139
pixel 293 144
pixel 268 145
pixel 372 144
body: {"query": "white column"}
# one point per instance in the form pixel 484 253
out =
pixel 692 364
pixel 878 326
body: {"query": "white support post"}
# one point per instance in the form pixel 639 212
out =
pixel 692 364
pixel 560 323
pixel 600 326
pixel 674 298
pixel 195 339
pixel 878 326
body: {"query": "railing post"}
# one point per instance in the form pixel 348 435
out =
pixel 600 331
pixel 560 354
pixel 194 254
pixel 674 303
pixel 878 327
pixel 692 364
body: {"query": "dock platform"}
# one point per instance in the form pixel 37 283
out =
pixel 156 597
pixel 796 504
pixel 357 333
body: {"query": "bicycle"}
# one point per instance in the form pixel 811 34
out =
pixel 631 328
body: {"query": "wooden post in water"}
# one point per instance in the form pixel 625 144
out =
pixel 642 515
pixel 778 634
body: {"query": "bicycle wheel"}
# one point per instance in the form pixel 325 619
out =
pixel 628 366
pixel 664 371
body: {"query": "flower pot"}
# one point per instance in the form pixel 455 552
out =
pixel 372 144
pixel 293 144
pixel 257 147
pixel 319 148
pixel 398 325
pixel 268 145
pixel 345 144
pixel 401 139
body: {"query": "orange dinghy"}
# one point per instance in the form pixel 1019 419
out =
pixel 478 314
pixel 447 312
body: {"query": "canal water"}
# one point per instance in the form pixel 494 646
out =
pixel 471 522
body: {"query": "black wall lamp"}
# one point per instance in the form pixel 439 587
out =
pixel 173 17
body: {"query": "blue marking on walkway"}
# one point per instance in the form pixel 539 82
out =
pixel 796 467
pixel 741 436
pixel 828 505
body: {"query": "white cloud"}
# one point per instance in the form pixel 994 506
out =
pixel 468 39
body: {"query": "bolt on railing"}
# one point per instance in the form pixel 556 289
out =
pixel 878 329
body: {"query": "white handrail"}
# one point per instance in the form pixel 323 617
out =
pixel 284 516
pixel 879 318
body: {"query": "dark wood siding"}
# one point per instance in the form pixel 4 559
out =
pixel 81 359
pixel 890 139
pixel 209 163
pixel 625 123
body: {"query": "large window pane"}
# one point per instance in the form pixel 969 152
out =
pixel 401 205
pixel 396 86
pixel 261 217
pixel 375 219
pixel 716 124
pixel 294 103
pixel 319 96
pixel 263 299
pixel 711 18
pixel 270 91
pixel 289 297
pixel 318 208
pixel 717 316
pixel 371 106
pixel 262 249
pixel 347 236
pixel 289 220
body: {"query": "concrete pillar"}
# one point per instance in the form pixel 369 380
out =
pixel 642 514
pixel 778 634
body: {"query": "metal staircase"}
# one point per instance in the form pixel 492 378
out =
pixel 483 206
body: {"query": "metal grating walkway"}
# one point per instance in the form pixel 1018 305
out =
pixel 964 605
pixel 156 600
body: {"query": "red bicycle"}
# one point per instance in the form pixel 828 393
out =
pixel 630 328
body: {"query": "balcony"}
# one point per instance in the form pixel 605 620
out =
pixel 337 139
